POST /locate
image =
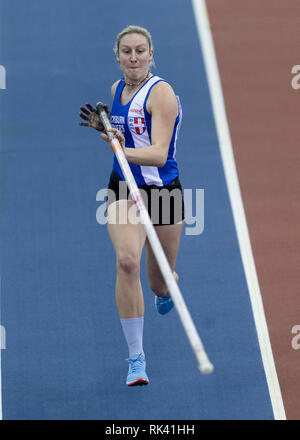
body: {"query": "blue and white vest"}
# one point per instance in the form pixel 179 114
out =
pixel 134 121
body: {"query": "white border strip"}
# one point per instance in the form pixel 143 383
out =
pixel 206 40
pixel 1 415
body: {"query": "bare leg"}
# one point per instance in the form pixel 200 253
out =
pixel 169 236
pixel 128 240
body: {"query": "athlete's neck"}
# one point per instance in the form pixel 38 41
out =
pixel 132 85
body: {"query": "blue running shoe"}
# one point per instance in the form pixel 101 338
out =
pixel 164 304
pixel 137 371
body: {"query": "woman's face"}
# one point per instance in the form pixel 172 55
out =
pixel 134 56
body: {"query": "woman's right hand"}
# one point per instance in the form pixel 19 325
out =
pixel 90 115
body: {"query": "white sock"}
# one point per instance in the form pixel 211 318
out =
pixel 133 331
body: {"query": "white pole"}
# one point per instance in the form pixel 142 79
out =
pixel 204 364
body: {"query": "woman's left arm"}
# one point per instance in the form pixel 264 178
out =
pixel 162 105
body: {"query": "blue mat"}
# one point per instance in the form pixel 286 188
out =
pixel 65 355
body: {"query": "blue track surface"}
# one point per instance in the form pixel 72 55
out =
pixel 65 356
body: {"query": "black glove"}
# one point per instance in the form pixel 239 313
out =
pixel 90 114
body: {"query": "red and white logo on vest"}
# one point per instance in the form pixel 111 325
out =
pixel 137 124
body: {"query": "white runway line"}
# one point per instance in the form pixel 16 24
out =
pixel 1 415
pixel 216 94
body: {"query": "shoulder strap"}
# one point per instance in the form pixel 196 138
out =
pixel 119 89
pixel 141 96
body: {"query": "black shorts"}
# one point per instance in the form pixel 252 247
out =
pixel 165 203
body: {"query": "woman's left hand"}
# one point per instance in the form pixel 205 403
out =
pixel 118 134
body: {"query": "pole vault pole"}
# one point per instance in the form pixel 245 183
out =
pixel 204 364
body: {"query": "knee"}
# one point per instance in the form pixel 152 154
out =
pixel 158 286
pixel 128 264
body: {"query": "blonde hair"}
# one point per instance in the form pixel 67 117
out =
pixel 131 29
